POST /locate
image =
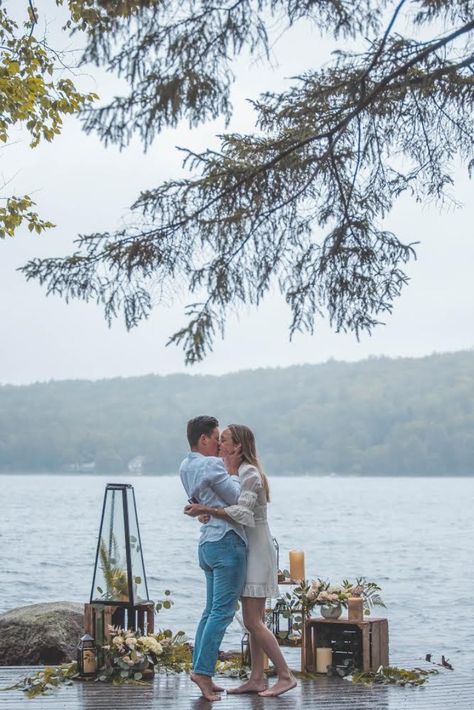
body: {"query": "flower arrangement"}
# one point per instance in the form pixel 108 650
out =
pixel 323 593
pixel 299 603
pixel 132 655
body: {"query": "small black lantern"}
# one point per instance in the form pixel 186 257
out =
pixel 245 658
pixel 282 621
pixel 119 573
pixel 87 657
pixel 286 623
pixel 277 550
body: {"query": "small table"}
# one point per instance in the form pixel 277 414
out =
pixel 364 643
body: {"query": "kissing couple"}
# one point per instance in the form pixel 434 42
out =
pixel 228 491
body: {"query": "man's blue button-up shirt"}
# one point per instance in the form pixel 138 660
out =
pixel 206 479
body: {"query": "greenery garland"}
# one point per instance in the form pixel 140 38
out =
pixel 391 675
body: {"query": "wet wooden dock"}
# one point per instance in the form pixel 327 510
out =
pixel 449 689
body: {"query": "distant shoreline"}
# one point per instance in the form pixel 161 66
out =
pixel 274 475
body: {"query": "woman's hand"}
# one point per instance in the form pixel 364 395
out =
pixel 203 519
pixel 233 459
pixel 195 509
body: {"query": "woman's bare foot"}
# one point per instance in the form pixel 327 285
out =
pixel 250 686
pixel 280 687
pixel 217 688
pixel 206 686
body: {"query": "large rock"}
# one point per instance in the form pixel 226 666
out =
pixel 41 634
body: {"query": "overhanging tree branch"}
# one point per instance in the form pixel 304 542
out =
pixel 301 203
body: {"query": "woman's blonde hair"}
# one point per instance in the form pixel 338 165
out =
pixel 244 436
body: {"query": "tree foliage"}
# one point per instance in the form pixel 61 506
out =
pixel 378 417
pixel 31 96
pixel 301 202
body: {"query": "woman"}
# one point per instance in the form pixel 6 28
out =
pixel 261 581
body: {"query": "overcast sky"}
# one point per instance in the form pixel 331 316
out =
pixel 83 187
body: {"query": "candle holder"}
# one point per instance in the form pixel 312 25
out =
pixel 297 571
pixel 355 608
pixel 87 657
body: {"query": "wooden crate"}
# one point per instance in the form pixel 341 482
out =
pixel 363 643
pixel 98 618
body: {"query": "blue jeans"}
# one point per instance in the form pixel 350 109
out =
pixel 225 565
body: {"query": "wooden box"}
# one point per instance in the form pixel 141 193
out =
pixel 98 618
pixel 363 644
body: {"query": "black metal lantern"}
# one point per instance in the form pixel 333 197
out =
pixel 282 621
pixel 87 657
pixel 245 658
pixel 119 573
pixel 277 550
pixel 285 628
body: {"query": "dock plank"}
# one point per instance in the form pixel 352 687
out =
pixel 448 689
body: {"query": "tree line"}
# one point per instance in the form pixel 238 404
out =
pixel 379 416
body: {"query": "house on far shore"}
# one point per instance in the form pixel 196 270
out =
pixel 87 467
pixel 135 465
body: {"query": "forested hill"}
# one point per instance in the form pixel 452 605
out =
pixel 379 416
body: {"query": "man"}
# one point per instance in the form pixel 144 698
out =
pixel 222 546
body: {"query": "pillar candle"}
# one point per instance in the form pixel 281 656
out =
pixel 323 659
pixel 355 609
pixel 297 565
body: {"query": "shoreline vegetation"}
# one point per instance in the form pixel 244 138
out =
pixel 375 417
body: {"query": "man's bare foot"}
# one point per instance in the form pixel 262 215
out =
pixel 250 686
pixel 280 687
pixel 206 686
pixel 217 688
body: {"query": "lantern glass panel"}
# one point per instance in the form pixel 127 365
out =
pixel 119 574
pixel 140 592
pixel 110 577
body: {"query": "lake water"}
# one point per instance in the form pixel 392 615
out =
pixel 414 537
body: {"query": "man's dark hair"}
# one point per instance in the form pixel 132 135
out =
pixel 199 426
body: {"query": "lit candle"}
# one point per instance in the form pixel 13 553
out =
pixel 323 659
pixel 355 609
pixel 297 565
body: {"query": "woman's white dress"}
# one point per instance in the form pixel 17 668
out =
pixel 251 511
